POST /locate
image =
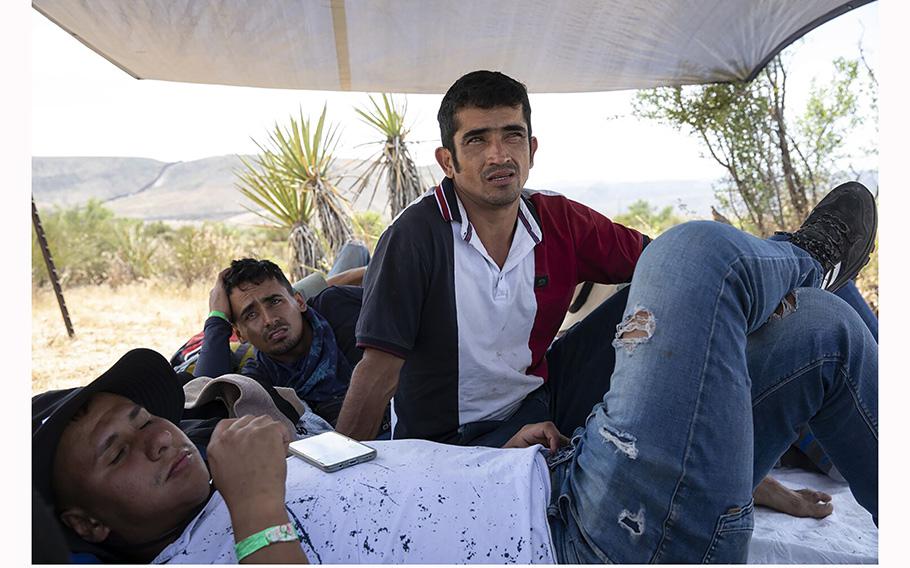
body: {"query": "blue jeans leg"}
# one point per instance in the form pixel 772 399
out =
pixel 850 294
pixel 663 469
pixel 818 364
pixel 353 254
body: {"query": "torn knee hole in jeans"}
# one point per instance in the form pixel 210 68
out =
pixel 787 306
pixel 623 441
pixel 635 524
pixel 635 329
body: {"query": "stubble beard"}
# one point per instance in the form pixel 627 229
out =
pixel 286 346
pixel 504 197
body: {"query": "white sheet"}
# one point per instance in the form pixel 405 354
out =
pixel 847 536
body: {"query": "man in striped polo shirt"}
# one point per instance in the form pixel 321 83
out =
pixel 469 285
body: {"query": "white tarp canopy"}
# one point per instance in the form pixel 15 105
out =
pixel 421 46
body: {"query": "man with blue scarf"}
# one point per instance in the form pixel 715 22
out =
pixel 307 345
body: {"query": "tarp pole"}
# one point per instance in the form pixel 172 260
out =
pixel 51 270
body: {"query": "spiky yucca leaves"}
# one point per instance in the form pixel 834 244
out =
pixel 393 163
pixel 290 182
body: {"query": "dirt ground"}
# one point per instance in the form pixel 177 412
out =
pixel 108 323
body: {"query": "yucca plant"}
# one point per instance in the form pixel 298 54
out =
pixel 393 163
pixel 291 183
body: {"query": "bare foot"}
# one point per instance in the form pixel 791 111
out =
pixel 798 503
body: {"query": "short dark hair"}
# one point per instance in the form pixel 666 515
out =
pixel 480 89
pixel 250 270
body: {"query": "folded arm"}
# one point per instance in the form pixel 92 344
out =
pixel 215 355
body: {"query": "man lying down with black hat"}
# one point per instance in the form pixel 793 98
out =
pixel 137 395
pixel 138 473
pixel 112 460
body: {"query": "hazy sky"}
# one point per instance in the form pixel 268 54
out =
pixel 84 106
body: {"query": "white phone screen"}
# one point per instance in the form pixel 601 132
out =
pixel 331 450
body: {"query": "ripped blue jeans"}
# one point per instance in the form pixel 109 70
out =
pixel 701 407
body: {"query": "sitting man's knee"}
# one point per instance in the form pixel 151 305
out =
pixel 695 249
pixel 823 312
pixel 701 231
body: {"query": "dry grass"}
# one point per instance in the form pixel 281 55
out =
pixel 867 282
pixel 108 323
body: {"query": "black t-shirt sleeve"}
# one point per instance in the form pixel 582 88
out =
pixel 395 289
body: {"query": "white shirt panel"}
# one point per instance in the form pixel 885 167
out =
pixel 495 311
pixel 416 502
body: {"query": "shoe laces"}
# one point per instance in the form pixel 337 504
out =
pixel 825 238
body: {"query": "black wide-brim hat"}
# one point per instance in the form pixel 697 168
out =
pixel 142 375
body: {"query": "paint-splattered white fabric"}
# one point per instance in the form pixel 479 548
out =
pixel 416 502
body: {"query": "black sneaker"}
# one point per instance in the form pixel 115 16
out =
pixel 840 233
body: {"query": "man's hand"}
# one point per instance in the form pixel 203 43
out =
pixel 247 458
pixel 248 465
pixel 798 503
pixel 218 298
pixel 544 433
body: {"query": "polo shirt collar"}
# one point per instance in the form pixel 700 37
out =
pixel 451 209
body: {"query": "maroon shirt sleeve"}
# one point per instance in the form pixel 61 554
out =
pixel 579 245
pixel 606 251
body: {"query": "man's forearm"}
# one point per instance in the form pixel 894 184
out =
pixel 352 277
pixel 215 355
pixel 361 414
pixel 372 386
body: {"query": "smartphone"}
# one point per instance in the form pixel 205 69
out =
pixel 331 451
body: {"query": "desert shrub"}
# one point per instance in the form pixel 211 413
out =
pixel 81 242
pixel 779 159
pixel 198 252
pixel 368 226
pixel 91 246
pixel 261 242
pixel 291 186
pixel 133 256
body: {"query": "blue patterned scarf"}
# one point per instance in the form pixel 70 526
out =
pixel 323 375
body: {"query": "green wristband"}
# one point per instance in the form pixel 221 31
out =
pixel 218 314
pixel 265 537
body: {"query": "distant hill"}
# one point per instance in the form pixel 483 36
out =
pixel 198 190
pixel 204 189
pixel 73 181
pixel 691 198
pixel 201 190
